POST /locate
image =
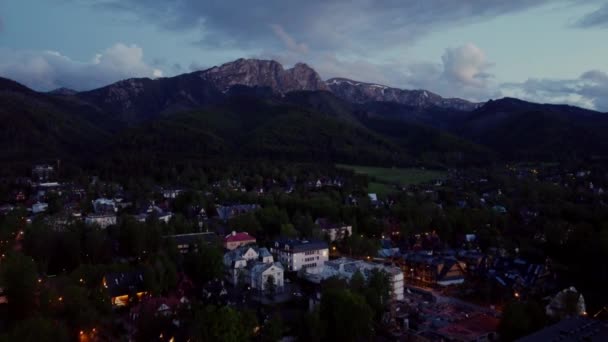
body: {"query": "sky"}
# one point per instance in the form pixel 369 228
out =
pixel 545 51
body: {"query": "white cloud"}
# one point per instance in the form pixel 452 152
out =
pixel 463 72
pixel 47 70
pixel 466 65
pixel 588 90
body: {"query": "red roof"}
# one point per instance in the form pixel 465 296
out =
pixel 238 237
pixel 472 327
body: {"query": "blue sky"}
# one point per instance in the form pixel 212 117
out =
pixel 547 51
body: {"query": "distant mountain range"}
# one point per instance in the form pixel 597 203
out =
pixel 257 108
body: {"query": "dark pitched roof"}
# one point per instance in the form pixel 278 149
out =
pixel 192 238
pixel 298 246
pixel 572 329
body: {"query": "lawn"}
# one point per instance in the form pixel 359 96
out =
pixel 382 178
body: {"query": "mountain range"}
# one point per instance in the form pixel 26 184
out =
pixel 257 108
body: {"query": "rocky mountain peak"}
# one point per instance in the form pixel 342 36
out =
pixel 264 73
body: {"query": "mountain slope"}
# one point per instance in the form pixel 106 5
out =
pixel 521 129
pixel 136 100
pixel 248 128
pixel 38 126
pixel 361 92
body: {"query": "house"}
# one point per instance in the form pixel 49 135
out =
pixel 171 193
pixel 227 212
pixel 235 240
pixel 571 329
pixel 124 286
pixel 435 270
pixel 102 220
pixel 518 274
pixel 42 173
pixel 253 266
pixel 154 211
pixel 334 231
pixel 345 268
pixel 104 206
pixel 301 254
pixel 499 209
pixel 190 242
pixel 38 208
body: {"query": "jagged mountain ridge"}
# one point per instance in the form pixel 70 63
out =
pixel 264 73
pixel 362 92
pixel 141 98
pixel 225 105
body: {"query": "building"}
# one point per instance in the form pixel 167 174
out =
pixel 104 206
pixel 171 193
pixel 124 286
pixel 227 212
pixel 156 212
pixel 572 329
pixel 334 231
pixel 43 173
pixel 39 207
pixel 235 240
pixel 102 220
pixel 253 266
pixel 301 254
pixel 190 242
pixel 434 270
pixel 345 268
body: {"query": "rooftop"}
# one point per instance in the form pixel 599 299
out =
pixel 297 246
pixel 238 237
pixel 572 329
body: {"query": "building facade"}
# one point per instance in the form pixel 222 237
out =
pixel 254 267
pixel 103 220
pixel 301 254
pixel 235 240
pixel 345 268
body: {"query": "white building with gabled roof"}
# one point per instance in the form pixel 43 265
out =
pixel 253 266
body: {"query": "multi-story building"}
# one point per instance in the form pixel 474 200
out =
pixel 253 266
pixel 301 254
pixel 102 220
pixel 345 268
pixel 333 230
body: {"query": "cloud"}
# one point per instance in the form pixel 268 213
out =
pixel 463 72
pixel 47 70
pixel 325 25
pixel 588 90
pixel 595 19
pixel 466 65
pixel 289 41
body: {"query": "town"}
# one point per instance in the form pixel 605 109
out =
pixel 306 253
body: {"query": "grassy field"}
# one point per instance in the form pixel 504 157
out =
pixel 383 179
